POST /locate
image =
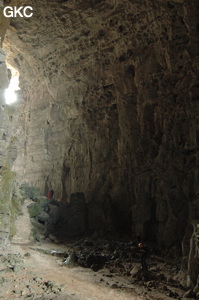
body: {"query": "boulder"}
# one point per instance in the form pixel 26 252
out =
pixel 136 270
pixel 71 260
pixel 35 210
pixel 95 259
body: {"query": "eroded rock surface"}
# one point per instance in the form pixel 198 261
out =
pixel 110 109
pixel 10 198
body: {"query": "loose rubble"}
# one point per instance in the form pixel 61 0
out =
pixel 34 288
pixel 115 261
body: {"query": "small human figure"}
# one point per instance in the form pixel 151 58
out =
pixel 50 194
pixel 138 237
pixel 144 252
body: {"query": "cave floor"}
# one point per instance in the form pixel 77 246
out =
pixel 40 271
pixel 27 271
pixel 29 274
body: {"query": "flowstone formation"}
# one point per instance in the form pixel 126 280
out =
pixel 110 111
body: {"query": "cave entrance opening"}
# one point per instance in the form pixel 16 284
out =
pixel 11 91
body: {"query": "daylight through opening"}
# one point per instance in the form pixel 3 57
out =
pixel 11 91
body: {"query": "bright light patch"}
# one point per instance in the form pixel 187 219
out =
pixel 10 92
pixel 10 96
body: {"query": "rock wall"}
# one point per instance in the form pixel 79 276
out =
pixel 10 198
pixel 4 205
pixel 110 109
pixel 193 261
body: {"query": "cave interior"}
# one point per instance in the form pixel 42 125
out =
pixel 107 117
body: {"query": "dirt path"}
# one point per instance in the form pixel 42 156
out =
pixel 77 283
pixel 23 226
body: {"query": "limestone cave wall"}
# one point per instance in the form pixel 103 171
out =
pixel 10 197
pixel 109 108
